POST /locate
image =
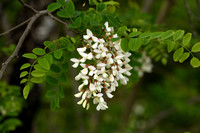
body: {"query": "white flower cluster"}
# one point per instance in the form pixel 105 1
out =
pixel 146 65
pixel 107 64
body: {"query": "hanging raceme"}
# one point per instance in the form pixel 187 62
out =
pixel 103 64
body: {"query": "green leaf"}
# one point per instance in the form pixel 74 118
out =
pixel 72 40
pixel 178 35
pixel 167 34
pixel 61 92
pixel 65 67
pixel 57 101
pixel 49 58
pixel 26 91
pixel 100 7
pixel 64 42
pixel 55 68
pixel 24 66
pixel 24 73
pixel 51 80
pixel 134 34
pixel 53 104
pixel 58 53
pixel 112 3
pixel 156 35
pixel 177 54
pixel 124 45
pixel 122 30
pixel 50 45
pixel 30 56
pixel 195 62
pixel 53 6
pixel 164 61
pixel 70 9
pixel 39 51
pixel 114 39
pixel 184 57
pixel 44 63
pixel 114 21
pixel 62 13
pixel 38 67
pixel 196 47
pixel 134 44
pixel 170 45
pixel 62 78
pixel 36 73
pixel 77 22
pixel 50 93
pixel 71 47
pixel 23 80
pixel 61 2
pixel 37 80
pixel 145 35
pixel 187 38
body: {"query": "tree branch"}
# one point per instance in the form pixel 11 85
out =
pixel 28 6
pixel 21 40
pixel 16 27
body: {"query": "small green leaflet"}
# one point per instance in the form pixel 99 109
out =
pixel 53 6
pixel 167 34
pixel 170 45
pixel 50 93
pixel 177 54
pixel 70 8
pixel 195 62
pixel 187 38
pixel 38 51
pixel 24 73
pixel 156 35
pixel 30 56
pixel 37 80
pixel 58 53
pixel 196 47
pixel 144 35
pixel 61 2
pixel 134 34
pixel 26 91
pixel 134 44
pixel 36 73
pixel 23 80
pixel 184 57
pixel 60 91
pixel 44 63
pixel 178 35
pixel 24 66
pixel 124 45
pixel 71 47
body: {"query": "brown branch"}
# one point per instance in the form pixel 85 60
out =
pixel 28 6
pixel 147 5
pixel 21 40
pixel 16 27
pixel 190 15
pixel 60 21
pixel 164 10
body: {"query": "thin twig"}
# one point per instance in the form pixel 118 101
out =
pixel 190 15
pixel 28 6
pixel 21 40
pixel 55 18
pixel 16 27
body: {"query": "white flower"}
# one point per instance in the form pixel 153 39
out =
pixel 108 64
